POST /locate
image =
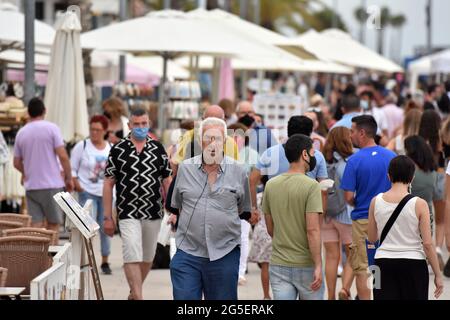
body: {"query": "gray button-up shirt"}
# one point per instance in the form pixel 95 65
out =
pixel 209 224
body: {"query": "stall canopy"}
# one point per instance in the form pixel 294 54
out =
pixel 432 64
pixel 435 63
pixel 12 29
pixel 338 46
pixel 65 96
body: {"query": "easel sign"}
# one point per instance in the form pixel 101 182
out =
pixel 79 216
pixel 85 229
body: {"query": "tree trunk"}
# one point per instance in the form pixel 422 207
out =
pixel 381 41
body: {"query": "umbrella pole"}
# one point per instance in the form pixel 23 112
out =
pixel 162 84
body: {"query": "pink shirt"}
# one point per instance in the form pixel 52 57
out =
pixel 35 145
pixel 395 117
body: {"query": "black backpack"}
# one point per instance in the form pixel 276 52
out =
pixel 335 201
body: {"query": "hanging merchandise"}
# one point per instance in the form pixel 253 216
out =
pixel 184 100
pixel 277 109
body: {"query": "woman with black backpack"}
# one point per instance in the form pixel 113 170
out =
pixel 337 225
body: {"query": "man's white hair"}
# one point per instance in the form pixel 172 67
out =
pixel 239 105
pixel 208 122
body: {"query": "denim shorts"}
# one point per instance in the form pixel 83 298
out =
pixel 289 283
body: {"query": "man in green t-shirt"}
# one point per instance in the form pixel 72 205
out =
pixel 292 204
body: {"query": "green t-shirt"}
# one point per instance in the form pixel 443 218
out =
pixel 288 198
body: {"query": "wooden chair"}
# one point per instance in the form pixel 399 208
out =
pixel 33 232
pixel 25 258
pixel 3 276
pixel 5 225
pixel 14 217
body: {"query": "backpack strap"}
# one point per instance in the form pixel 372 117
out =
pixel 394 217
pixel 81 158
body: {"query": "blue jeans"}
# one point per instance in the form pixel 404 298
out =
pixel 193 276
pixel 293 283
pixel 105 240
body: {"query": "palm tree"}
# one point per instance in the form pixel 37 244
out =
pixel 397 22
pixel 361 16
pixel 384 22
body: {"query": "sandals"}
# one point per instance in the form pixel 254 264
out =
pixel 344 294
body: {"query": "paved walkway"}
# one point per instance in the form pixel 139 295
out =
pixel 158 285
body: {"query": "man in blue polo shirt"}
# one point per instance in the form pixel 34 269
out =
pixel 365 176
pixel 274 162
pixel 351 108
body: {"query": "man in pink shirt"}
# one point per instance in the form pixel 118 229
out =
pixel 394 114
pixel 38 147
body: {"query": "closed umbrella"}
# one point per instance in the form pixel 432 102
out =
pixel 65 96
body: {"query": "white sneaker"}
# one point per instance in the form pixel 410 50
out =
pixel 340 271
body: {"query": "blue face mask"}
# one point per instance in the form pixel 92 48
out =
pixel 365 104
pixel 140 133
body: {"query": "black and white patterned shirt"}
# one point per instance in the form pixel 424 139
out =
pixel 138 178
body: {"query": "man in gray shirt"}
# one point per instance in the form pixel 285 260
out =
pixel 212 193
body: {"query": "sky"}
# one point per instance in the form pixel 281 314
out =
pixel 414 32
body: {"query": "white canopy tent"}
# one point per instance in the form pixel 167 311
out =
pixel 12 29
pixel 435 63
pixel 171 33
pixel 65 96
pixel 338 46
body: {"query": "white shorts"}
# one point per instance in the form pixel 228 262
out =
pixel 139 239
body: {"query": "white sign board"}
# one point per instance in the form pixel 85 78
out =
pixel 78 215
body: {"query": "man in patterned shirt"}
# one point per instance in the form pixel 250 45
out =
pixel 137 166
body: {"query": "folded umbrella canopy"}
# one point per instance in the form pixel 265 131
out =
pixel 65 96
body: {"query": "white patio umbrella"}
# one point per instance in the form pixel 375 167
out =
pixel 18 56
pixel 308 62
pixel 338 46
pixel 65 96
pixel 12 29
pixel 272 64
pixel 105 65
pixel 170 34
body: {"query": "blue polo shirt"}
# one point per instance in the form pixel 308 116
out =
pixel 346 120
pixel 366 174
pixel 273 162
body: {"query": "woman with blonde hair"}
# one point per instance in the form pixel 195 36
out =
pixel 114 110
pixel 411 126
pixel 337 225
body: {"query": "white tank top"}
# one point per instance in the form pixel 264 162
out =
pixel 403 240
